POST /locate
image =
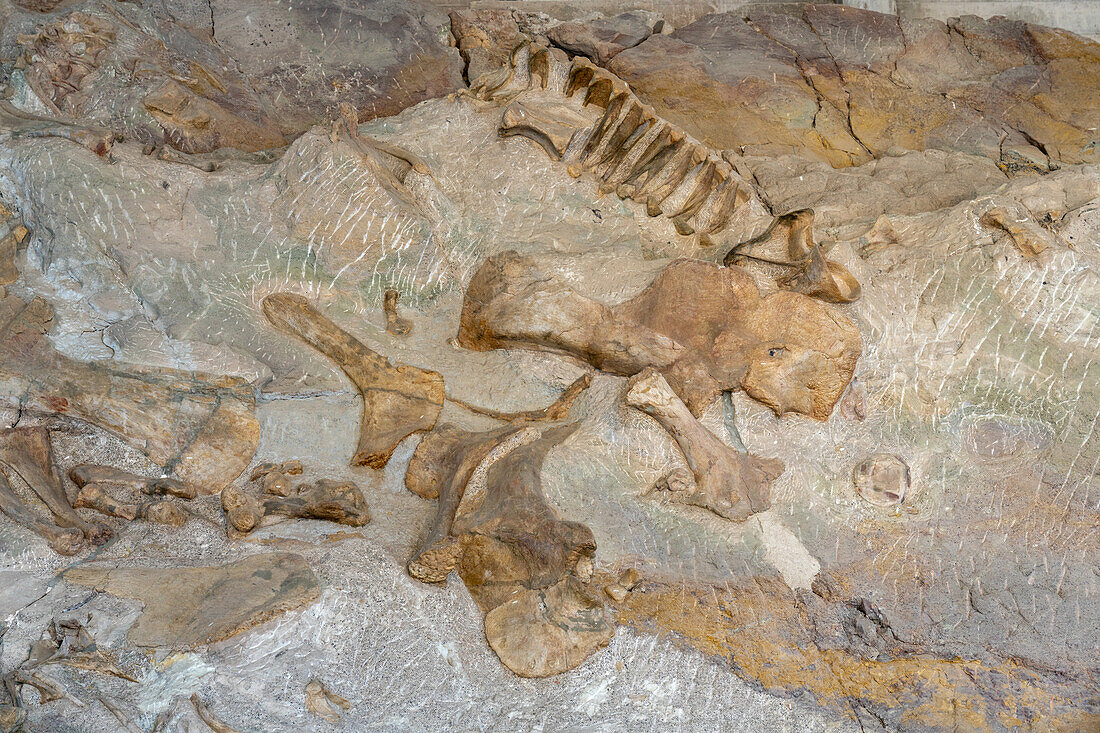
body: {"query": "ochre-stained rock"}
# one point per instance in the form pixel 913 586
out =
pixel 186 607
pixel 199 428
pixel 397 400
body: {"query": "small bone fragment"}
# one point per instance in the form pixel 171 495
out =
pixel 397 400
pixel 556 411
pixel 879 237
pixel 87 473
pixel 546 631
pixel 395 324
pixel 320 701
pixel 29 453
pixel 881 479
pixel 208 717
pixel 616 592
pixel 1028 237
pixel 200 428
pixel 730 484
pixel 63 540
pixel 116 710
pixel 630 578
pixel 275 477
pixel 822 279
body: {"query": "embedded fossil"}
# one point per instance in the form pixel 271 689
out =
pixel 334 501
pixel 123 719
pixel 789 241
pixel 63 540
pixel 1027 236
pixel 29 453
pixel 397 400
pixel 89 473
pixel 733 485
pixel 200 428
pixel 586 117
pixel 22 124
pixel 704 327
pixel 206 716
pixel 94 496
pixel 320 701
pixel 275 477
pixel 507 543
pixel 881 479
pixel 395 324
pixel 555 411
pixel 8 245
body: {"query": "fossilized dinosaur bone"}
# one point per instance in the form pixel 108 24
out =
pixel 27 124
pixel 555 411
pixel 275 477
pixel 334 501
pixel 589 119
pixel 29 453
pixel 200 428
pixel 395 324
pixel 704 327
pixel 90 473
pixel 733 485
pixel 789 242
pixel 397 400
pixel 162 511
pixel 63 540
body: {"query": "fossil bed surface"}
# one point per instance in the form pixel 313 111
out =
pixel 928 559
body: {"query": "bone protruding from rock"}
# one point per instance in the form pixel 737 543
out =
pixel 705 327
pixel 323 702
pixel 558 410
pixel 334 501
pixel 207 716
pixel 62 540
pixel 275 477
pixel 1027 236
pixel 9 244
pixel 398 401
pixel 201 429
pixel 395 324
pixel 90 473
pixel 96 496
pixel 29 453
pixel 590 120
pixel 822 279
pixel 547 631
pixel 733 485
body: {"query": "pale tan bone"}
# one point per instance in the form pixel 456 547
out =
pixel 27 124
pixel 589 119
pixel 822 279
pixel 555 411
pixel 208 717
pixel 395 324
pixel 547 631
pixel 705 327
pixel 62 540
pixel 29 453
pixel 1027 236
pixel 733 485
pixel 95 496
pixel 8 246
pixel 320 701
pixel 89 473
pixel 334 501
pixel 275 477
pixel 200 428
pixel 398 401
pixel 48 688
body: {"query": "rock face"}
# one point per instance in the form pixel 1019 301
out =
pixel 793 318
pixel 845 85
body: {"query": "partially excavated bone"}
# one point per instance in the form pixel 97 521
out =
pixel 275 477
pixel 206 716
pixel 1027 236
pixel 323 702
pixel 397 400
pixel 395 324
pixel 547 631
pixel 519 560
pixel 95 496
pixel 588 118
pixel 334 501
pixel 9 244
pixel 789 241
pixel 21 123
pixel 199 428
pixel 704 327
pixel 28 452
pixel 90 473
pixel 63 540
pixel 733 485
pixel 555 411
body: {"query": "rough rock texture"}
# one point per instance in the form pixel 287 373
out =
pixel 966 604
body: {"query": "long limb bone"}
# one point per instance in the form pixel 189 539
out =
pixel 28 452
pixel 397 400
pixel 63 540
pixel 395 324
pixel 731 484
pixel 90 473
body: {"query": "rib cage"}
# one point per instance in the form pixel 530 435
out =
pixel 588 118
